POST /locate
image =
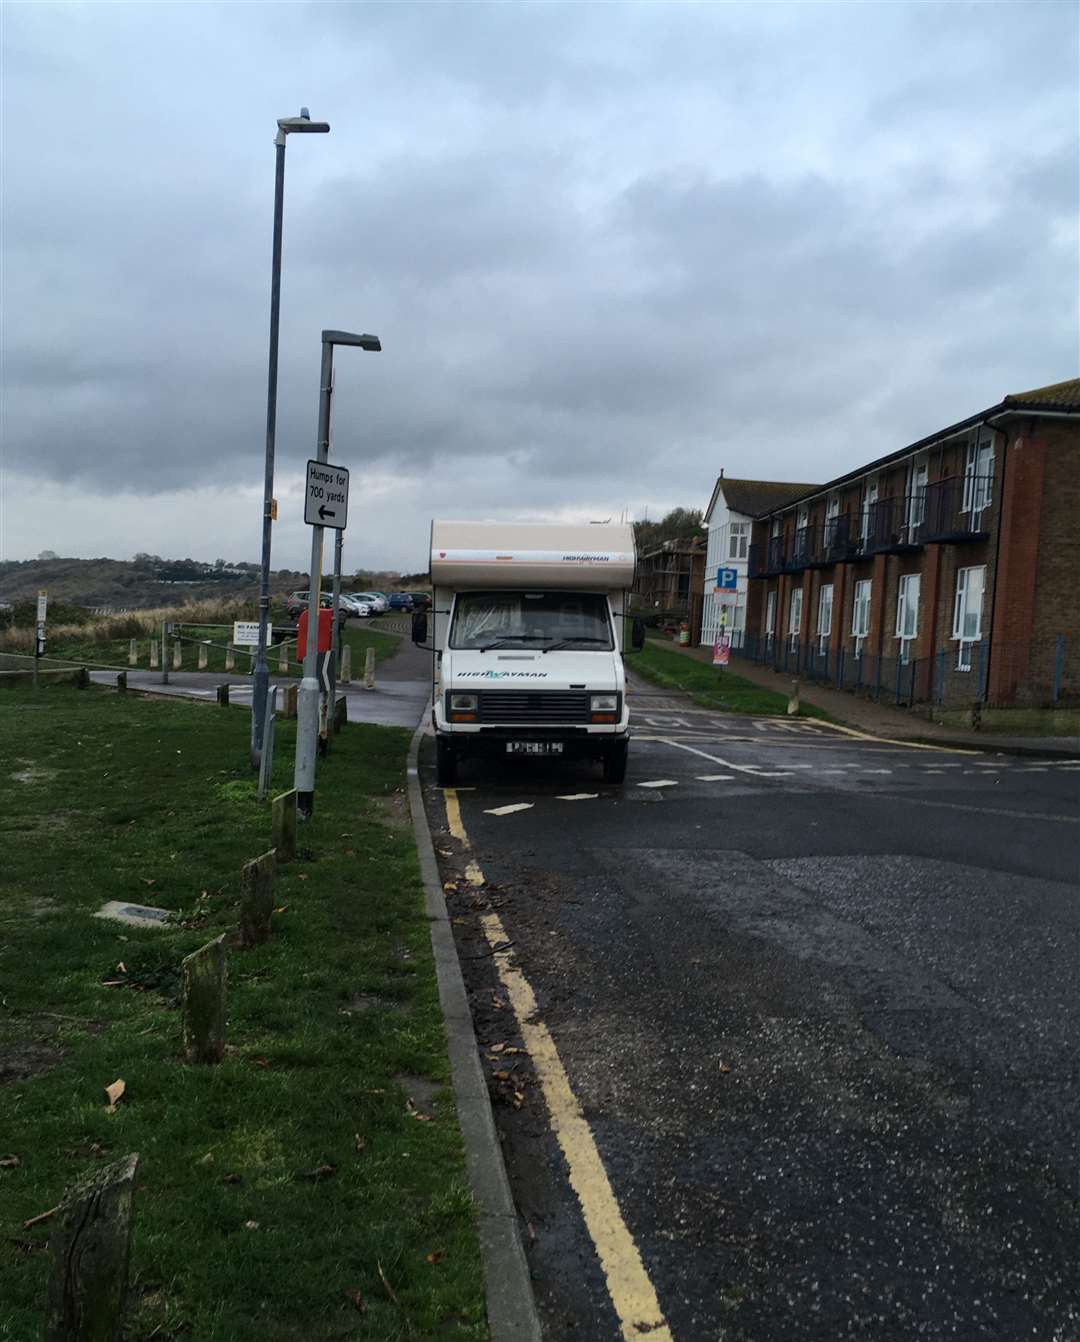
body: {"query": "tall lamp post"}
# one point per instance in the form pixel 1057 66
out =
pixel 307 708
pixel 302 124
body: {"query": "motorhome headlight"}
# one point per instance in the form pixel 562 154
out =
pixel 604 703
pixel 463 703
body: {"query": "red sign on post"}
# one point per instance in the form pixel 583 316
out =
pixel 325 635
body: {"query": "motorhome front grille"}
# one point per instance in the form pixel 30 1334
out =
pixel 514 706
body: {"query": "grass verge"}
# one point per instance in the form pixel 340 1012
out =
pixel 710 686
pixel 314 1161
pixel 114 652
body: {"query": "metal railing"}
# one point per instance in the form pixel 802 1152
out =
pixel 896 524
pixel 957 508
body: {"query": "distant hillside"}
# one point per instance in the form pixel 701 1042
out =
pixel 148 581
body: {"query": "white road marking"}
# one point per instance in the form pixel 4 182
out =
pixel 661 782
pixel 767 773
pixel 508 810
pixel 878 771
pixel 715 778
pixel 1034 769
pixel 577 796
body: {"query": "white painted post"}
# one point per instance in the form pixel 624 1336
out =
pixel 230 658
pixel 153 653
pixel 369 669
pixel 283 660
pixel 177 656
pixel 133 653
pixel 346 665
pixel 793 702
pixel 204 650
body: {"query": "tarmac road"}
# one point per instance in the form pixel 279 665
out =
pixel 816 1002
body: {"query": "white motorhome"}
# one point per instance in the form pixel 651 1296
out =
pixel 527 641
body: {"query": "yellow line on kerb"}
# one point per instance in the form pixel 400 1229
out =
pixel 628 1284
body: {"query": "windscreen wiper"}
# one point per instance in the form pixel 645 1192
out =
pixel 568 642
pixel 511 638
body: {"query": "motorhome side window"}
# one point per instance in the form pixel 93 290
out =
pixel 531 619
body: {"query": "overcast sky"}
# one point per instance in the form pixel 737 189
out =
pixel 609 249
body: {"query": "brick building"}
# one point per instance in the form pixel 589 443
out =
pixel 949 568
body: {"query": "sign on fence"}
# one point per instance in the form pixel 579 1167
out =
pixel 246 633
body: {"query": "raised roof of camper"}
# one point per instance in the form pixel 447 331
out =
pixel 532 554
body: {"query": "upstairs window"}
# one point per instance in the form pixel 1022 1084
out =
pixel 979 474
pixel 738 540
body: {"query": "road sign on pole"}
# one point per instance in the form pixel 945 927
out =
pixel 727 579
pixel 326 495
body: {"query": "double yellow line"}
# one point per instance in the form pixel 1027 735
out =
pixel 628 1284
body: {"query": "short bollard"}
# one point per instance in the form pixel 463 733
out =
pixel 230 658
pixel 204 651
pixel 177 656
pixel 153 653
pixel 283 825
pixel 82 678
pixel 223 696
pixel 283 660
pixel 345 678
pixel 793 702
pixel 89 1252
pixel 133 653
pixel 121 681
pixel 203 1002
pixel 369 669
pixel 288 707
pixel 257 899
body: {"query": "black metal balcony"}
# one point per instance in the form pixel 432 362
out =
pixel 774 556
pixel 838 543
pixel 958 509
pixel 755 561
pixel 896 525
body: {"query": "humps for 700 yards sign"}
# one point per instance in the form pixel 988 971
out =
pixel 326 495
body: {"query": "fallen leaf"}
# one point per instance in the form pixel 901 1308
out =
pixel 449 885
pixel 115 1093
pixel 413 1112
pixel 724 1067
pixel 231 1179
pixel 281 908
pixel 146 880
pixel 514 1049
pixel 319 1172
pixel 251 1225
pixel 113 983
pixel 356 1300
pixel 121 968
pixel 436 1256
pixel 301 875
pixel 208 1159
pixel 9 1162
pixel 358 1141
pixel 259 1062
pixel 497 1048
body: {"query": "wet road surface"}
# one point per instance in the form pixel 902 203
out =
pixel 815 997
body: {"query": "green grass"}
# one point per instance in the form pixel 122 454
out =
pixel 710 686
pixel 114 652
pixel 150 801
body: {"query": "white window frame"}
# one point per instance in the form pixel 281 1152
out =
pixel 860 613
pixel 907 613
pixel 979 474
pixel 770 613
pixel 870 497
pixel 824 616
pixel 795 615
pixel 738 540
pixel 964 636
pixel 918 478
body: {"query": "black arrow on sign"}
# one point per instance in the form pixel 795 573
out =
pixel 324 511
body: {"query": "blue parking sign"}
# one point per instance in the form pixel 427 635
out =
pixel 727 579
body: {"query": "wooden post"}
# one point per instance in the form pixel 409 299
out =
pixel 133 653
pixel 369 669
pixel 89 1252
pixel 177 655
pixel 203 1004
pixel 288 707
pixel 257 899
pixel 204 649
pixel 230 658
pixel 793 702
pixel 283 825
pixel 223 696
pixel 153 653
pixel 121 681
pixel 283 659
pixel 341 713
pixel 346 666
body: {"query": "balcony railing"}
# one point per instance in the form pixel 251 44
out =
pixel 957 509
pixel 837 542
pixel 755 560
pixel 896 524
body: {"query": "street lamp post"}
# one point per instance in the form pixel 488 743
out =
pixel 307 708
pixel 261 684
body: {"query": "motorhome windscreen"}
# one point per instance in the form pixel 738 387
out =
pixel 531 619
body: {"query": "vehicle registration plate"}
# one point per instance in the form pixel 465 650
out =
pixel 534 747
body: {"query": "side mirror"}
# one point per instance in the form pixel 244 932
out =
pixel 637 635
pixel 419 627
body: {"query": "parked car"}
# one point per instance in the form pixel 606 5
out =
pixel 376 600
pixel 295 602
pixel 400 601
pixel 356 605
pixel 421 600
